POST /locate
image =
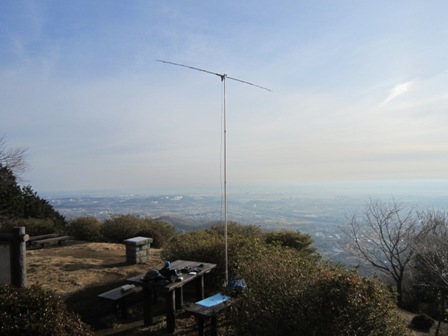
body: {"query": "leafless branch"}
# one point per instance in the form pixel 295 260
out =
pixel 384 237
pixel 13 158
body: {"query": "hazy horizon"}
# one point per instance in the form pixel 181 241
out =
pixel 367 189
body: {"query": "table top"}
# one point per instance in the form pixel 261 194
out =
pixel 200 267
pixel 200 310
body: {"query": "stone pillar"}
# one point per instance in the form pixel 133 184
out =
pixel 137 249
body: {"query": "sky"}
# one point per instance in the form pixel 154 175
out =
pixel 359 92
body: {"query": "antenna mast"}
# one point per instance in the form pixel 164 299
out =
pixel 223 80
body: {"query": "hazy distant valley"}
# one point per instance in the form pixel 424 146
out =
pixel 320 216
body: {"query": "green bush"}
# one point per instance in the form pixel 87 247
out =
pixel 236 229
pixel 245 245
pixel 166 230
pixel 121 227
pixel 36 312
pixel 157 239
pixel 299 241
pixel 290 292
pixel 33 226
pixel 291 295
pixel 86 228
pixel 422 322
pixel 202 246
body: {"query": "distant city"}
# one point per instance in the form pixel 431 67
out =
pixel 321 214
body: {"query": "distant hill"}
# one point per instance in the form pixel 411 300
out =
pixel 183 224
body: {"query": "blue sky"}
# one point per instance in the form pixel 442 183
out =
pixel 359 92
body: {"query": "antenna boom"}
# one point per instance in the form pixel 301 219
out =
pixel 223 76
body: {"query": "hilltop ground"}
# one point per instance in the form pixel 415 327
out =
pixel 80 271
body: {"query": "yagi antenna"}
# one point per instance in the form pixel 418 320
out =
pixel 222 76
pixel 223 80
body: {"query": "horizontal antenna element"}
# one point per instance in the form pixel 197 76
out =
pixel 222 76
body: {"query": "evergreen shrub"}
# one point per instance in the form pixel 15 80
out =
pixel 34 311
pixel 287 238
pixel 290 295
pixel 166 230
pixel 236 229
pixel 33 226
pixel 86 228
pixel 245 245
pixel 157 239
pixel 201 246
pixel 121 227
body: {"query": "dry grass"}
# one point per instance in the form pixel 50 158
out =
pixel 77 266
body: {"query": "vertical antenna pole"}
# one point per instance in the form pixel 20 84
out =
pixel 223 79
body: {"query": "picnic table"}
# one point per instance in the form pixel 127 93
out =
pixel 173 291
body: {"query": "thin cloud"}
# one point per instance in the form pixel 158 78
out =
pixel 397 91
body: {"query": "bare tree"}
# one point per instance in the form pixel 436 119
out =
pixel 383 238
pixel 431 262
pixel 432 247
pixel 13 158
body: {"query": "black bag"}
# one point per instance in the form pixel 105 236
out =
pixel 169 274
pixel 154 276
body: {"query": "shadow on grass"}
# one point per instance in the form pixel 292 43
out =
pixel 101 316
pixel 100 313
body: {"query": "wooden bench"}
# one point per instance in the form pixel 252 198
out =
pixel 59 239
pixel 209 311
pixel 40 237
pixel 119 297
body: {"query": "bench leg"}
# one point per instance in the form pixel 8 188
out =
pixel 199 288
pixel 200 322
pixel 179 297
pixel 170 310
pixel 148 296
pixel 155 297
pixel 121 309
pixel 213 326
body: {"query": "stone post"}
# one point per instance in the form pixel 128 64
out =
pixel 137 249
